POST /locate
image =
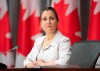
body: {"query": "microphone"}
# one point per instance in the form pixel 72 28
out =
pixel 15 48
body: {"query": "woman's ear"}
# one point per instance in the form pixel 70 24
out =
pixel 41 25
pixel 57 23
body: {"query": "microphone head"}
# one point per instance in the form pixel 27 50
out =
pixel 16 47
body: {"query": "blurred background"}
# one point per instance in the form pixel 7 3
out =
pixel 24 24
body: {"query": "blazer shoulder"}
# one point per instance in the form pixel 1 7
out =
pixel 65 38
pixel 40 38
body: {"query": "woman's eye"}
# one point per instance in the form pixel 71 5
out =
pixel 51 18
pixel 44 19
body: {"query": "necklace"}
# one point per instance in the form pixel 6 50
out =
pixel 45 43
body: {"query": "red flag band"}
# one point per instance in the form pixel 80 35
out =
pixel 94 24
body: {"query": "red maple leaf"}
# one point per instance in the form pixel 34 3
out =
pixel 5 43
pixel 28 28
pixel 68 25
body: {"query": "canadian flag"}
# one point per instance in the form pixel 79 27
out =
pixel 94 24
pixel 5 36
pixel 68 18
pixel 28 28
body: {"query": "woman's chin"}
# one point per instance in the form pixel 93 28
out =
pixel 49 31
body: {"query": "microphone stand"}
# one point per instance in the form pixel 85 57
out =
pixel 3 65
pixel 16 47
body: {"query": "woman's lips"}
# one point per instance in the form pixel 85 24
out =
pixel 48 26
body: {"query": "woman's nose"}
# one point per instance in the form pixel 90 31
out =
pixel 48 21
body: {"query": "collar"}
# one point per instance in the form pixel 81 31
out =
pixel 56 39
pixel 53 42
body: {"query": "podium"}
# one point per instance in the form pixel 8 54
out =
pixel 3 65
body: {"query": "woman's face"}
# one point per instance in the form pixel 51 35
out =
pixel 48 21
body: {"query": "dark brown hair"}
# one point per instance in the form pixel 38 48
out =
pixel 52 9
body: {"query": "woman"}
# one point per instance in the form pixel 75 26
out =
pixel 51 49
